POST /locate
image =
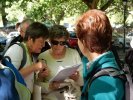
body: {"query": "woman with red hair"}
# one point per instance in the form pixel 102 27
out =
pixel 94 34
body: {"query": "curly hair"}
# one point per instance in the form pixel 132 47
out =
pixel 58 31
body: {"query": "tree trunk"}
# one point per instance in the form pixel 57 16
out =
pixel 92 4
pixel 3 14
pixel 104 7
pixel 60 17
pixel 4 20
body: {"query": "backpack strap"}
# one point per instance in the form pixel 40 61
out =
pixel 23 62
pixel 109 71
pixel 7 58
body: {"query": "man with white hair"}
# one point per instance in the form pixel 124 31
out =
pixel 22 29
pixel 23 26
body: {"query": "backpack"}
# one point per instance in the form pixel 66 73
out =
pixel 10 87
pixel 124 74
pixel 6 61
pixel 129 59
pixel 7 85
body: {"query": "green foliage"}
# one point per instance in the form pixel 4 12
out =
pixel 53 11
pixel 101 3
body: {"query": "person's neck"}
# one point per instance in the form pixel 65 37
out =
pixel 92 56
pixel 58 55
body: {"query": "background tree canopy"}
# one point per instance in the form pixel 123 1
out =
pixel 54 11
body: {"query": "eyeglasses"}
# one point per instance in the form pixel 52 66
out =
pixel 62 43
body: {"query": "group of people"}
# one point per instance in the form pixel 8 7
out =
pixel 94 35
pixel 33 36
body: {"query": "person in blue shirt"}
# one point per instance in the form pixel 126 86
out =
pixel 94 34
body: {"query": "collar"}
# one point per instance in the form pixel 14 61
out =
pixel 89 63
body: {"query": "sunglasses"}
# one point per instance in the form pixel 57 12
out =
pixel 62 43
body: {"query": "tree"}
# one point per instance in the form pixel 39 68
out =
pixel 103 4
pixel 93 4
pixel 56 10
pixel 112 7
pixel 3 13
pixel 48 10
pixel 3 5
pixel 53 11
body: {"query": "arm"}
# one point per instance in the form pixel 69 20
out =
pixel 78 75
pixel 15 52
pixel 25 71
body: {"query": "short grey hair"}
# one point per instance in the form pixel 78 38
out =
pixel 26 21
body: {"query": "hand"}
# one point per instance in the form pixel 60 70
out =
pixel 75 76
pixel 43 73
pixel 54 85
pixel 40 65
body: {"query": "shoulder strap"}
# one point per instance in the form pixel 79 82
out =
pixel 8 45
pixel 129 83
pixel 110 71
pixel 23 62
